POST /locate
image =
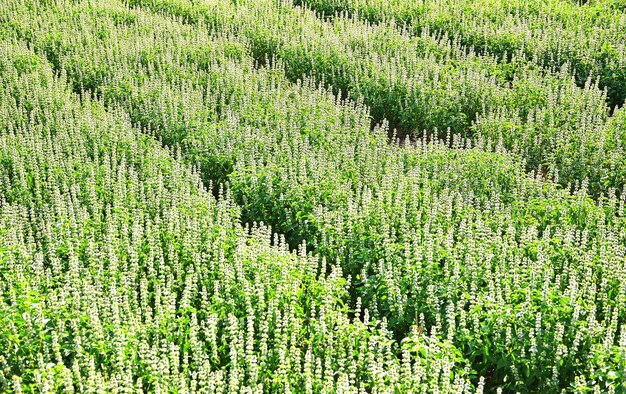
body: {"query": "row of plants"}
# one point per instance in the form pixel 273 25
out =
pixel 589 37
pixel 459 243
pixel 120 272
pixel 430 84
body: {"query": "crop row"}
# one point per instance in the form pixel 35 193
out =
pixel 589 38
pixel 459 242
pixel 121 272
pixel 421 84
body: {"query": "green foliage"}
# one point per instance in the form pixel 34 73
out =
pixel 424 82
pixel 397 265
pixel 140 280
pixel 588 38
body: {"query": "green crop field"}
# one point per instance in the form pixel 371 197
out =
pixel 312 196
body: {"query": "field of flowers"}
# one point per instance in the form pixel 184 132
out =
pixel 312 196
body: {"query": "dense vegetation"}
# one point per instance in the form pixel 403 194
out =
pixel 312 196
